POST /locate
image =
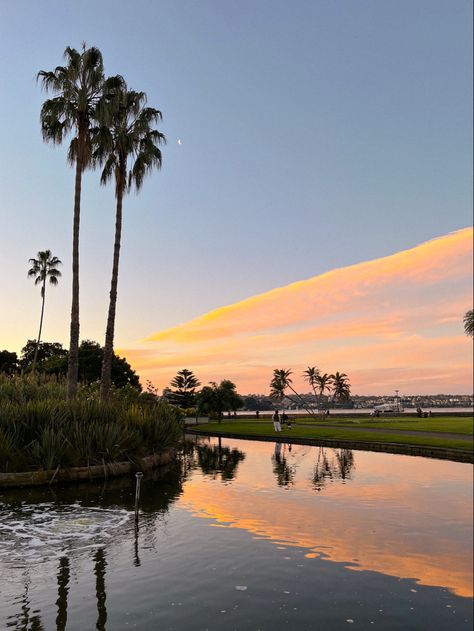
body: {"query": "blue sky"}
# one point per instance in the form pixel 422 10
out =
pixel 315 134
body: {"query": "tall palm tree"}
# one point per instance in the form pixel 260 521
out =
pixel 126 144
pixel 44 268
pixel 76 88
pixel 341 387
pixel 469 322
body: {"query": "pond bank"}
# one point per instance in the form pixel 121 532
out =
pixel 79 474
pixel 429 451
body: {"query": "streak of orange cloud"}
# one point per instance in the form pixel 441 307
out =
pixel 395 320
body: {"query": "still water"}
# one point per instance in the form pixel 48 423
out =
pixel 245 535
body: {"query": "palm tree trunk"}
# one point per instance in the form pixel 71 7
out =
pixel 43 292
pixel 73 360
pixel 106 376
pixel 302 403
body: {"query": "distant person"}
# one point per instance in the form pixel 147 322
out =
pixel 327 412
pixel 430 413
pixel 419 412
pixel 257 414
pixel 276 421
pixel 285 420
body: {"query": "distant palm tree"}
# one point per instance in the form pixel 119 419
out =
pixel 341 388
pixel 324 383
pixel 278 385
pixel 77 88
pixel 311 375
pixel 126 144
pixel 43 269
pixel 469 322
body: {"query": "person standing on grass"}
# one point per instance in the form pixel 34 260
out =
pixel 276 421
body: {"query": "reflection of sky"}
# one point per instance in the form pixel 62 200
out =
pixel 402 516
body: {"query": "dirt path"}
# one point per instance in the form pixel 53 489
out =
pixel 389 430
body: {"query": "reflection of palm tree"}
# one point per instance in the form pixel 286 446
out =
pixel 99 571
pixel 25 622
pixel 285 474
pixel 63 589
pixel 217 459
pixel 328 468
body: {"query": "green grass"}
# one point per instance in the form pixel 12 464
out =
pixel 446 424
pixel 265 428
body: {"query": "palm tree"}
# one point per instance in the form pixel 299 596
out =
pixel 43 269
pixel 311 375
pixel 469 322
pixel 76 88
pixel 341 387
pixel 127 145
pixel 278 385
pixel 324 383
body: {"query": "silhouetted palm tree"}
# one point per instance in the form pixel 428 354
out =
pixel 126 144
pixel 278 385
pixel 341 388
pixel 311 375
pixel 324 383
pixel 43 269
pixel 469 322
pixel 77 88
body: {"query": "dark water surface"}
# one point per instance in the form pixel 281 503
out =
pixel 245 535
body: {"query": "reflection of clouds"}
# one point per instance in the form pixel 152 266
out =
pixel 401 516
pixel 401 312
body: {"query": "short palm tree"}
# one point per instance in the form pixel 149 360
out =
pixel 278 385
pixel 76 88
pixel 126 144
pixel 469 322
pixel 340 385
pixel 311 375
pixel 323 383
pixel 43 269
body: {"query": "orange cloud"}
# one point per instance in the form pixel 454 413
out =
pixel 394 320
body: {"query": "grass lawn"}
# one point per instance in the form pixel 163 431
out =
pixel 265 428
pixel 447 424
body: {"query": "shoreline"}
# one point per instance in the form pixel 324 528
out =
pixel 441 453
pixel 85 474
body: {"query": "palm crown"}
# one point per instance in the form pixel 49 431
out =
pixel 125 142
pixel 77 87
pixel 44 269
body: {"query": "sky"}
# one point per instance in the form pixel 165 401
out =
pixel 315 136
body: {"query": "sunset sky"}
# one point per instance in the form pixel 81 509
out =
pixel 316 210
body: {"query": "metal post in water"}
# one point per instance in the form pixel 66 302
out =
pixel 138 476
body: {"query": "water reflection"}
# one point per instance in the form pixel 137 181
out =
pixel 63 590
pixel 401 517
pixel 331 464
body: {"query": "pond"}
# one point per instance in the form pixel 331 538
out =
pixel 245 535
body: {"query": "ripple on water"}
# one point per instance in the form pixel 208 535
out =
pixel 41 532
